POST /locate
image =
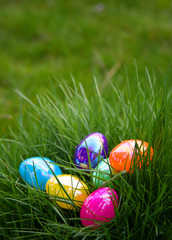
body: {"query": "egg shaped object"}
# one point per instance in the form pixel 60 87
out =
pixel 99 207
pixel 102 173
pixel 37 170
pixel 67 188
pixel 123 155
pixel 91 150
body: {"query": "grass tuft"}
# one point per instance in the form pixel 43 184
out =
pixel 53 128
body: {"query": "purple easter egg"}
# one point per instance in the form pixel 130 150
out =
pixel 91 150
pixel 99 207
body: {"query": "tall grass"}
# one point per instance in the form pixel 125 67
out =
pixel 139 109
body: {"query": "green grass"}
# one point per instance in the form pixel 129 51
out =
pixel 50 38
pixel 140 109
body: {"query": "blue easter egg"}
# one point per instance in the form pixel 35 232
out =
pixel 36 171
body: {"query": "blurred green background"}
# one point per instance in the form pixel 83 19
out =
pixel 42 40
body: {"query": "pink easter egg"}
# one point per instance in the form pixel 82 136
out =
pixel 99 207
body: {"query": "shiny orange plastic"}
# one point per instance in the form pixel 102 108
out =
pixel 124 154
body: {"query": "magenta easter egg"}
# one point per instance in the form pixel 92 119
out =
pixel 99 207
pixel 91 150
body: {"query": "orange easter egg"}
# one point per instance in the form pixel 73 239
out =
pixel 123 155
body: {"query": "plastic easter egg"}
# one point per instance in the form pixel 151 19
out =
pixel 123 155
pixel 36 171
pixel 99 207
pixel 67 188
pixel 102 173
pixel 91 150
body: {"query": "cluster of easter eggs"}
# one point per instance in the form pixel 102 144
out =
pixel 70 192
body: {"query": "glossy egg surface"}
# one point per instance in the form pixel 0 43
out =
pixel 99 207
pixel 102 173
pixel 67 187
pixel 36 171
pixel 92 145
pixel 122 156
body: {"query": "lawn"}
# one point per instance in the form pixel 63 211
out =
pixel 54 39
pixel 69 69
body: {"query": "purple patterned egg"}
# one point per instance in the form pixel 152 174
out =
pixel 91 150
